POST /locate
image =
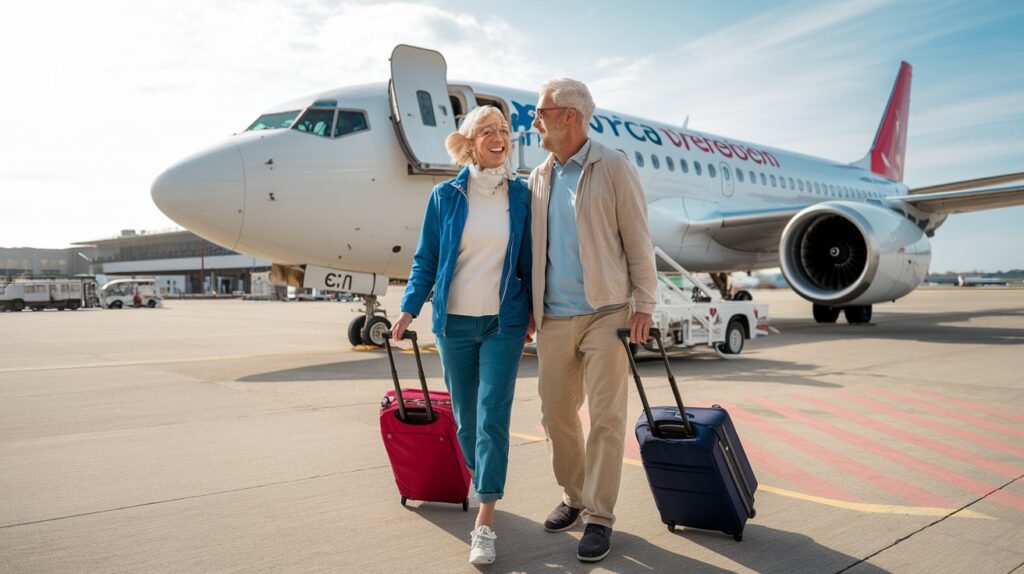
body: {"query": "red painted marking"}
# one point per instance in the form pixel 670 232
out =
pixel 786 470
pixel 950 415
pixel 922 466
pixel 940 447
pixel 968 405
pixel 849 465
pixel 944 427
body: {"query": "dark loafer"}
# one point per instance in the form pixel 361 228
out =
pixel 562 518
pixel 595 544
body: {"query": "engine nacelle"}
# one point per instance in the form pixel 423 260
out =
pixel 841 253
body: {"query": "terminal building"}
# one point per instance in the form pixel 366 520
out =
pixel 182 262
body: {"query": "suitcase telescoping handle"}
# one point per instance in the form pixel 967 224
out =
pixel 655 333
pixel 411 335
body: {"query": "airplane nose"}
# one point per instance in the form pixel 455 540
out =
pixel 205 193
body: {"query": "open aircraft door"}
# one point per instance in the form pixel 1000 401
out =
pixel 420 108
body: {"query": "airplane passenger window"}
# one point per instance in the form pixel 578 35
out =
pixel 639 159
pixel 782 182
pixel 670 164
pixel 773 181
pixel 350 122
pixel 315 121
pixel 739 175
pixel 696 167
pixel 832 189
pixel 791 186
pixel 654 162
pixel 683 166
pixel 800 185
pixel 426 107
pixel 753 177
pixel 817 189
pixel 726 173
pixel 764 180
pixel 277 121
pixel 711 170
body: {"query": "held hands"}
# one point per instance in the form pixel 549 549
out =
pixel 398 329
pixel 531 328
pixel 640 327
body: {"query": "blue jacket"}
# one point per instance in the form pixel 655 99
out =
pixel 433 266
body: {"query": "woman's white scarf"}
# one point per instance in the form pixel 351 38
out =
pixel 488 180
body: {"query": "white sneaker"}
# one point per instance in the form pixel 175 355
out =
pixel 481 549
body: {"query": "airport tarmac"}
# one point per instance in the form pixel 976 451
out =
pixel 242 436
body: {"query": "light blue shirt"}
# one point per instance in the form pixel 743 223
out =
pixel 563 290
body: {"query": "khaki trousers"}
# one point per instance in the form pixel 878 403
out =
pixel 582 356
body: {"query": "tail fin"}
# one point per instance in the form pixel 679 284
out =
pixel 888 151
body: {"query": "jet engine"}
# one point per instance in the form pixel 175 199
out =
pixel 844 254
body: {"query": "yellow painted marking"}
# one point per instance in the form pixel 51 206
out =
pixel 856 506
pixel 162 361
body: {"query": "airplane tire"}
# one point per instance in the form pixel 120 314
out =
pixel 355 330
pixel 825 314
pixel 858 314
pixel 373 333
pixel 735 335
pixel 742 296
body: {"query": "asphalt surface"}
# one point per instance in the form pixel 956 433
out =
pixel 243 436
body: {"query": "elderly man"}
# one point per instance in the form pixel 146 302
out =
pixel 590 219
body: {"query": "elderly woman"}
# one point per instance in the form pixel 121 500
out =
pixel 474 251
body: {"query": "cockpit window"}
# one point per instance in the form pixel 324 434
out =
pixel 316 121
pixel 276 121
pixel 349 122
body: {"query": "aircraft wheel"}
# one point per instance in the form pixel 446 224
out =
pixel 735 335
pixel 858 314
pixel 671 527
pixel 825 314
pixel 116 305
pixel 355 330
pixel 373 333
pixel 742 296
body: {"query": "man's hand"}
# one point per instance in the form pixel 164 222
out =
pixel 640 327
pixel 398 329
pixel 531 328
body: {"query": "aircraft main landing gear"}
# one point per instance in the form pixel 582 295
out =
pixel 369 328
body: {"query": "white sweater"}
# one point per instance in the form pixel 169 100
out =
pixel 475 288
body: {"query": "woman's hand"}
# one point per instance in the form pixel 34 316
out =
pixel 398 329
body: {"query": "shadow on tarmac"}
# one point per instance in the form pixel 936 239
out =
pixel 524 546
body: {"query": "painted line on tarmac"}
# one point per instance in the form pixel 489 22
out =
pixel 161 361
pixel 855 506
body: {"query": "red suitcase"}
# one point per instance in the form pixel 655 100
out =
pixel 420 438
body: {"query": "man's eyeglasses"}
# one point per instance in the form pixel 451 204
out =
pixel 540 111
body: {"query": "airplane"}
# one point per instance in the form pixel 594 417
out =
pixel 332 188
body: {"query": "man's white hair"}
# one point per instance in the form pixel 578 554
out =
pixel 569 93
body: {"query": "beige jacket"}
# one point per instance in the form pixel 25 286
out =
pixel 611 219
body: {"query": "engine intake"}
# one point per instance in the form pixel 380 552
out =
pixel 842 253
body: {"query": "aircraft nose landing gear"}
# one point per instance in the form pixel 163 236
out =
pixel 369 328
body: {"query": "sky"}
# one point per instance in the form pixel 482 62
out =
pixel 128 88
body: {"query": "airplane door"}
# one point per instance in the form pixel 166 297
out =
pixel 420 108
pixel 726 176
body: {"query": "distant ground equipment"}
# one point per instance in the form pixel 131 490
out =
pixel 52 293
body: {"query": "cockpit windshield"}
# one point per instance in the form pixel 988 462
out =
pixel 275 121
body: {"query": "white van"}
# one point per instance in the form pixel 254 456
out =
pixel 120 293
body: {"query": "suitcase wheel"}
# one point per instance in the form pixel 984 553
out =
pixel 465 505
pixel 671 527
pixel 738 537
pixel 753 512
pixel 403 500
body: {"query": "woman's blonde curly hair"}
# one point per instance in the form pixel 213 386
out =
pixel 460 143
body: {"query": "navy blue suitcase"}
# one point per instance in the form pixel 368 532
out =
pixel 695 464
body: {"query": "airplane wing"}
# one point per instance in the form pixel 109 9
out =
pixel 749 230
pixel 962 201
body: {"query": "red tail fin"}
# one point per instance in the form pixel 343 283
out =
pixel 887 154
